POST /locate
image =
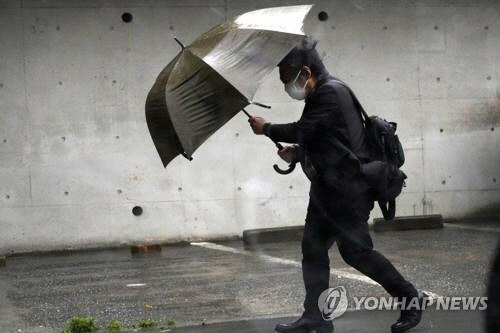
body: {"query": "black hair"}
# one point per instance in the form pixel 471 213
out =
pixel 305 54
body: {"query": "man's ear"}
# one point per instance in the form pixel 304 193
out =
pixel 306 71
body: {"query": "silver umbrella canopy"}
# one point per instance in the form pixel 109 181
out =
pixel 216 76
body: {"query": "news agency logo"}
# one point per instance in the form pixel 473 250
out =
pixel 454 303
pixel 333 302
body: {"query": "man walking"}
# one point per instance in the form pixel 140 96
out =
pixel 329 143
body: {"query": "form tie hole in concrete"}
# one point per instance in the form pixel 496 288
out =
pixel 127 17
pixel 323 16
pixel 60 83
pixel 438 79
pixel 239 188
pixel 388 79
pixel 4 140
pixel 488 78
pixel 137 210
pixel 114 81
pixel 171 28
pixel 63 138
pixel 443 182
pixel 119 191
pixel 436 27
pixel 494 180
pixel 486 28
pixel 492 129
pixel 290 187
pixel 441 130
pixel 385 27
pixel 7 196
pixel 237 135
pixel 179 188
pixel 117 137
pixel 66 193
pixel 58 28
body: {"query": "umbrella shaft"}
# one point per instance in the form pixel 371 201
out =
pixel 278 145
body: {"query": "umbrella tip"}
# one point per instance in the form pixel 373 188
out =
pixel 187 156
pixel 260 104
pixel 179 42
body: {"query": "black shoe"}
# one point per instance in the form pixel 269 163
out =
pixel 409 318
pixel 306 325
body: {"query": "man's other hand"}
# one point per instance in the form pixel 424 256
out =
pixel 257 124
pixel 288 153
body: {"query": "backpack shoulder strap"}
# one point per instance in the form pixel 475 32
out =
pixel 388 209
pixel 358 105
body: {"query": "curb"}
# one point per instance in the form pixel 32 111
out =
pixel 408 223
pixel 294 233
pixel 271 235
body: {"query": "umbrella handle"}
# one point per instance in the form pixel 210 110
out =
pixel 291 167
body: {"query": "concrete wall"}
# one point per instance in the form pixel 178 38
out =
pixel 76 155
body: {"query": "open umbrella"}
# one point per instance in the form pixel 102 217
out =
pixel 216 76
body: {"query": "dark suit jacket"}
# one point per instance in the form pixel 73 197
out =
pixel 330 134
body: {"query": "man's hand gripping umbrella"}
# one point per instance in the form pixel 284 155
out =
pixel 286 153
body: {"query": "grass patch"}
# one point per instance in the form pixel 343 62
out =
pixel 81 325
pixel 88 325
pixel 114 325
pixel 147 323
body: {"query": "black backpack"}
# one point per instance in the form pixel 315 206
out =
pixel 386 157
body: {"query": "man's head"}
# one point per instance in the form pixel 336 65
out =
pixel 300 65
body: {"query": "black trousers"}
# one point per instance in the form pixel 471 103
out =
pixel 343 218
pixel 493 311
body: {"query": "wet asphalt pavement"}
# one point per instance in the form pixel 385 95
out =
pixel 224 287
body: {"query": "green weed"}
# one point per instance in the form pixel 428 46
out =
pixel 81 325
pixel 114 325
pixel 147 323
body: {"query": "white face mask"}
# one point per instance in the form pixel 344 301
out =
pixel 294 91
